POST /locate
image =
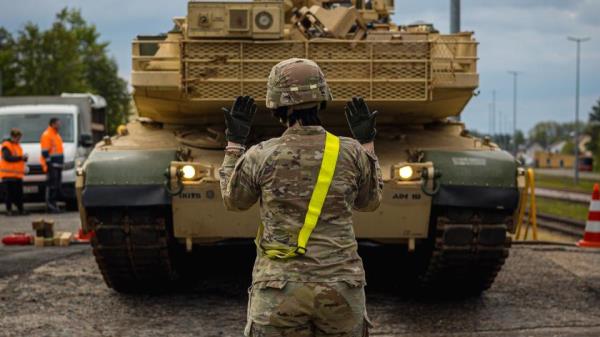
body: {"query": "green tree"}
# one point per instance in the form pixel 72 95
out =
pixel 595 113
pixel 519 138
pixel 568 148
pixel 7 57
pixel 67 57
pixel 548 132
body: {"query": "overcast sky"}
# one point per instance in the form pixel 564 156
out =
pixel 524 35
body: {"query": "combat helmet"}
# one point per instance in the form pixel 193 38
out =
pixel 295 82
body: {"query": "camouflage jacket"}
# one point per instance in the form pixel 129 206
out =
pixel 282 172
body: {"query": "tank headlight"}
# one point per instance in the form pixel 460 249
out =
pixel 188 172
pixel 405 172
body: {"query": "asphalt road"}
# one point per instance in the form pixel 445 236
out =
pixel 18 259
pixel 541 291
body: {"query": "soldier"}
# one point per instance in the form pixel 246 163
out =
pixel 308 279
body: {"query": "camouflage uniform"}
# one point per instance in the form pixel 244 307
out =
pixel 320 293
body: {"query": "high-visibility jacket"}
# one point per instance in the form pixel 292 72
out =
pixel 52 146
pixel 12 169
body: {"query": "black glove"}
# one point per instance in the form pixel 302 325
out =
pixel 361 120
pixel 239 119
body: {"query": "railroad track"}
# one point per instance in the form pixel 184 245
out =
pixel 568 227
pixel 570 196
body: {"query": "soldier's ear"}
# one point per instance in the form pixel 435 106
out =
pixel 281 115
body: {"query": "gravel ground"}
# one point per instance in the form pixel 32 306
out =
pixel 541 291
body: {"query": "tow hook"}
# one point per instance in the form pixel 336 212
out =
pixel 179 185
pixel 425 180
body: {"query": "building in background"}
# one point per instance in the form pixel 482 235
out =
pixel 558 157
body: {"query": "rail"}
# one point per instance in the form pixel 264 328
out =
pixel 564 226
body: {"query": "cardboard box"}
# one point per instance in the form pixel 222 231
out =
pixel 63 239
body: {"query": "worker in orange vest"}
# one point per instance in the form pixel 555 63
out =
pixel 52 161
pixel 12 170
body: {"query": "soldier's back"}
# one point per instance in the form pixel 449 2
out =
pixel 286 169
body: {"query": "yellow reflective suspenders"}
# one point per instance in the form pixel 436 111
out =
pixel 317 199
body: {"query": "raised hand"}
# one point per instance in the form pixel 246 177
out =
pixel 238 119
pixel 361 120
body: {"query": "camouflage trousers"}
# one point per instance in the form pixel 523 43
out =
pixel 307 309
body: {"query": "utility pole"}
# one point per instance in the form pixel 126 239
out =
pixel 515 75
pixel 500 121
pixel 490 119
pixel 494 106
pixel 578 41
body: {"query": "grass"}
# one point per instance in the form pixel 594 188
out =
pixel 564 183
pixel 563 209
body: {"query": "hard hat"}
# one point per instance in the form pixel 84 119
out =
pixel 296 82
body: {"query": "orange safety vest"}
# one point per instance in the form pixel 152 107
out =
pixel 52 142
pixel 12 169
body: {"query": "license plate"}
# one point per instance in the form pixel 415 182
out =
pixel 32 189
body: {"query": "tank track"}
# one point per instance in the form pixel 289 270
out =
pixel 468 252
pixel 131 247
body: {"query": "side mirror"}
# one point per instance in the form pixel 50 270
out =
pixel 86 140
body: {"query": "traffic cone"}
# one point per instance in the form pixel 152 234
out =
pixel 591 237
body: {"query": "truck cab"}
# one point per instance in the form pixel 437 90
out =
pixel 78 130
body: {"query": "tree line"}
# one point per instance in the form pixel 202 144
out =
pixel 66 57
pixel 547 133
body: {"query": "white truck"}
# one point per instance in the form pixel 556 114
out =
pixel 83 119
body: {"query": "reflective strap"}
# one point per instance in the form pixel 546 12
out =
pixel 317 199
pixel 11 171
pixel 330 156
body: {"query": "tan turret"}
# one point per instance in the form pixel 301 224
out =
pixel 225 49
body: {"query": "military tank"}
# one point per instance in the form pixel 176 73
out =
pixel 151 193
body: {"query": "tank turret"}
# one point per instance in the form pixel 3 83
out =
pixel 225 49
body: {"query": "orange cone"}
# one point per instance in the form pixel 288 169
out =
pixel 591 237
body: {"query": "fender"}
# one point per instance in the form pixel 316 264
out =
pixel 126 178
pixel 481 179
